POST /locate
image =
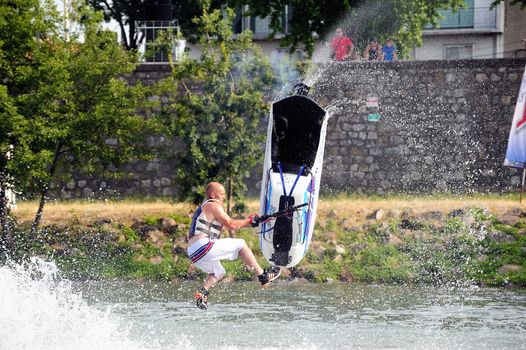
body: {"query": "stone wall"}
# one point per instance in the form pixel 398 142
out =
pixel 439 126
pixel 443 125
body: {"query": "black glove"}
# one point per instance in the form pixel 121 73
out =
pixel 255 220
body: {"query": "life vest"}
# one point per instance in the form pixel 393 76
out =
pixel 200 224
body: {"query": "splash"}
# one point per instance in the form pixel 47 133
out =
pixel 41 311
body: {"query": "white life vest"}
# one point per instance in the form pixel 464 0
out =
pixel 200 224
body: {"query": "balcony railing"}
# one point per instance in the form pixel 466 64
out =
pixel 261 26
pixel 473 17
pixel 149 32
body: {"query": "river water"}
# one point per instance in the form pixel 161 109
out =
pixel 41 311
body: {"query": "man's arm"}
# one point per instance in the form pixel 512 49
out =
pixel 216 211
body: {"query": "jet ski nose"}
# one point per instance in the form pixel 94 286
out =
pixel 301 89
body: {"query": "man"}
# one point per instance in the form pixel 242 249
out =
pixel 206 250
pixel 341 46
pixel 389 51
pixel 373 51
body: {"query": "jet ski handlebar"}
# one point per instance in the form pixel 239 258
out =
pixel 256 219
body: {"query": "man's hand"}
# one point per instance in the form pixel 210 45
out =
pixel 255 220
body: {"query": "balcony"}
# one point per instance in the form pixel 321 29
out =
pixel 149 32
pixel 260 26
pixel 476 18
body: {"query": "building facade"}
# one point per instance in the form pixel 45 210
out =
pixel 475 32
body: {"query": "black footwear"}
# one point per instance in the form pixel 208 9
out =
pixel 269 275
pixel 201 298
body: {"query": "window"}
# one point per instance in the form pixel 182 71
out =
pixel 458 52
pixel 258 25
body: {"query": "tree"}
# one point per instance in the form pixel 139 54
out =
pixel 126 13
pixel 512 3
pixel 400 19
pixel 215 105
pixel 20 22
pixel 74 100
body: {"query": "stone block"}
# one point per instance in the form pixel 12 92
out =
pixel 153 166
pixel 459 92
pixel 505 100
pixel 88 192
pixel 451 77
pixel 375 151
pixel 481 77
pixel 374 167
pixel 358 174
pixel 146 183
pixel 358 127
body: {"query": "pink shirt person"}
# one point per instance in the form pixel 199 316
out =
pixel 341 46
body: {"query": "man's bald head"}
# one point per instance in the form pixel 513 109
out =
pixel 214 188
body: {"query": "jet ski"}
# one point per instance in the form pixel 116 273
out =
pixel 291 177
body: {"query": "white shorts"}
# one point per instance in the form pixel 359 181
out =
pixel 214 251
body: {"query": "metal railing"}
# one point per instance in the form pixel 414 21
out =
pixel 473 17
pixel 150 49
pixel 260 26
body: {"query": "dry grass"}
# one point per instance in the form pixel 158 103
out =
pixel 354 208
pixel 85 212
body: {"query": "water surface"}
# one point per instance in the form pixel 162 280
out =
pixel 318 316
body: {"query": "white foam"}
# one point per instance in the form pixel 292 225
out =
pixel 40 311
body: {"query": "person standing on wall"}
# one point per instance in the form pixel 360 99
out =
pixel 341 46
pixel 373 51
pixel 389 51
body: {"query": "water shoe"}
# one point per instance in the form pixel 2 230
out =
pixel 269 275
pixel 201 298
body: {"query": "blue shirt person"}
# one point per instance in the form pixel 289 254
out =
pixel 389 51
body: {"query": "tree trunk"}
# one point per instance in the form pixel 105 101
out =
pixel 45 189
pixel 6 239
pixel 132 39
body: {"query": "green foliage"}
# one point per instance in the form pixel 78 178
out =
pixel 512 3
pixel 414 15
pixel 381 264
pixel 215 105
pixel 181 219
pixel 238 270
pixel 402 20
pixel 454 226
pixel 65 102
pixel 126 13
pixel 151 220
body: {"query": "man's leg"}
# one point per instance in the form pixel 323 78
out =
pixel 264 276
pixel 250 260
pixel 210 281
